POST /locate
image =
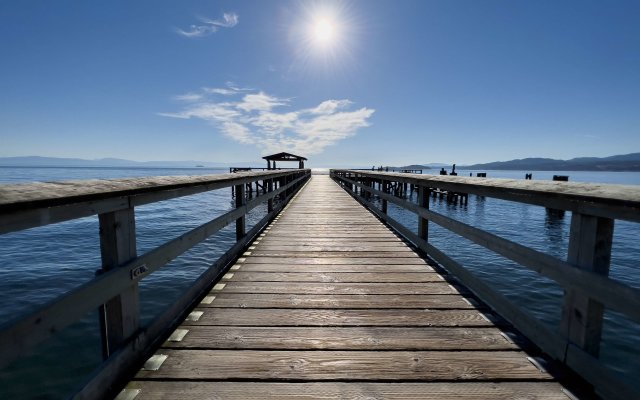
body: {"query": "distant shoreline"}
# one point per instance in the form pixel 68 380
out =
pixel 110 167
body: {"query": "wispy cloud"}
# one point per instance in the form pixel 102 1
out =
pixel 269 122
pixel 189 97
pixel 229 20
pixel 222 91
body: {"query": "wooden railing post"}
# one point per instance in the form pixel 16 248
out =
pixel 270 201
pixel 240 222
pixel 120 316
pixel 423 223
pixel 385 189
pixel 590 249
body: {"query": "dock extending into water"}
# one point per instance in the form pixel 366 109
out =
pixel 328 297
pixel 329 303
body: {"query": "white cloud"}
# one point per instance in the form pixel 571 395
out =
pixel 222 91
pixel 260 102
pixel 330 106
pixel 237 132
pixel 229 20
pixel 257 119
pixel 189 97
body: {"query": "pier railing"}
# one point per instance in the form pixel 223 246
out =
pixel 114 290
pixel 583 275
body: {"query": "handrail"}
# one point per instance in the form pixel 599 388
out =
pixel 601 200
pixel 28 205
pixel 24 206
pixel 584 276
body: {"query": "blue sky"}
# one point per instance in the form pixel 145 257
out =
pixel 342 82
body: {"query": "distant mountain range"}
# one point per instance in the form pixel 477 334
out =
pixel 35 161
pixel 421 166
pixel 625 162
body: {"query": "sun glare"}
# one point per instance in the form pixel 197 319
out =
pixel 324 31
pixel 323 36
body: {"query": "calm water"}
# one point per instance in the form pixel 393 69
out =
pixel 42 263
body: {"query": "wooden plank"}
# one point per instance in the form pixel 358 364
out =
pixel 341 277
pixel 329 268
pixel 340 365
pixel 352 338
pixel 336 301
pixel 327 223
pixel 157 390
pixel 305 260
pixel 332 317
pixel 386 248
pixel 339 288
pixel 314 234
pixel 279 239
pixel 329 254
pixel 326 231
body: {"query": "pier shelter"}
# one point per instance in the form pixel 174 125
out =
pixel 271 160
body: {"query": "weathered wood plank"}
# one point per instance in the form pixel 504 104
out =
pixel 338 288
pixel 156 390
pixel 306 248
pixel 334 254
pixel 338 277
pixel 351 338
pixel 329 268
pixel 300 259
pixel 336 301
pixel 279 239
pixel 335 317
pixel 340 365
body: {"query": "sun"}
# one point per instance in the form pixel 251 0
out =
pixel 324 31
pixel 323 35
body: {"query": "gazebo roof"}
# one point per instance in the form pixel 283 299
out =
pixel 284 157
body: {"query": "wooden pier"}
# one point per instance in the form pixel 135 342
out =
pixel 329 303
pixel 328 296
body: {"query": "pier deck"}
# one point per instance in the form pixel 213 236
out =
pixel 329 303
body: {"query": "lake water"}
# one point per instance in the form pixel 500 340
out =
pixel 40 264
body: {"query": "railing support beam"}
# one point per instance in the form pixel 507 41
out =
pixel 590 249
pixel 423 223
pixel 120 316
pixel 240 222
pixel 270 201
pixel 385 189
